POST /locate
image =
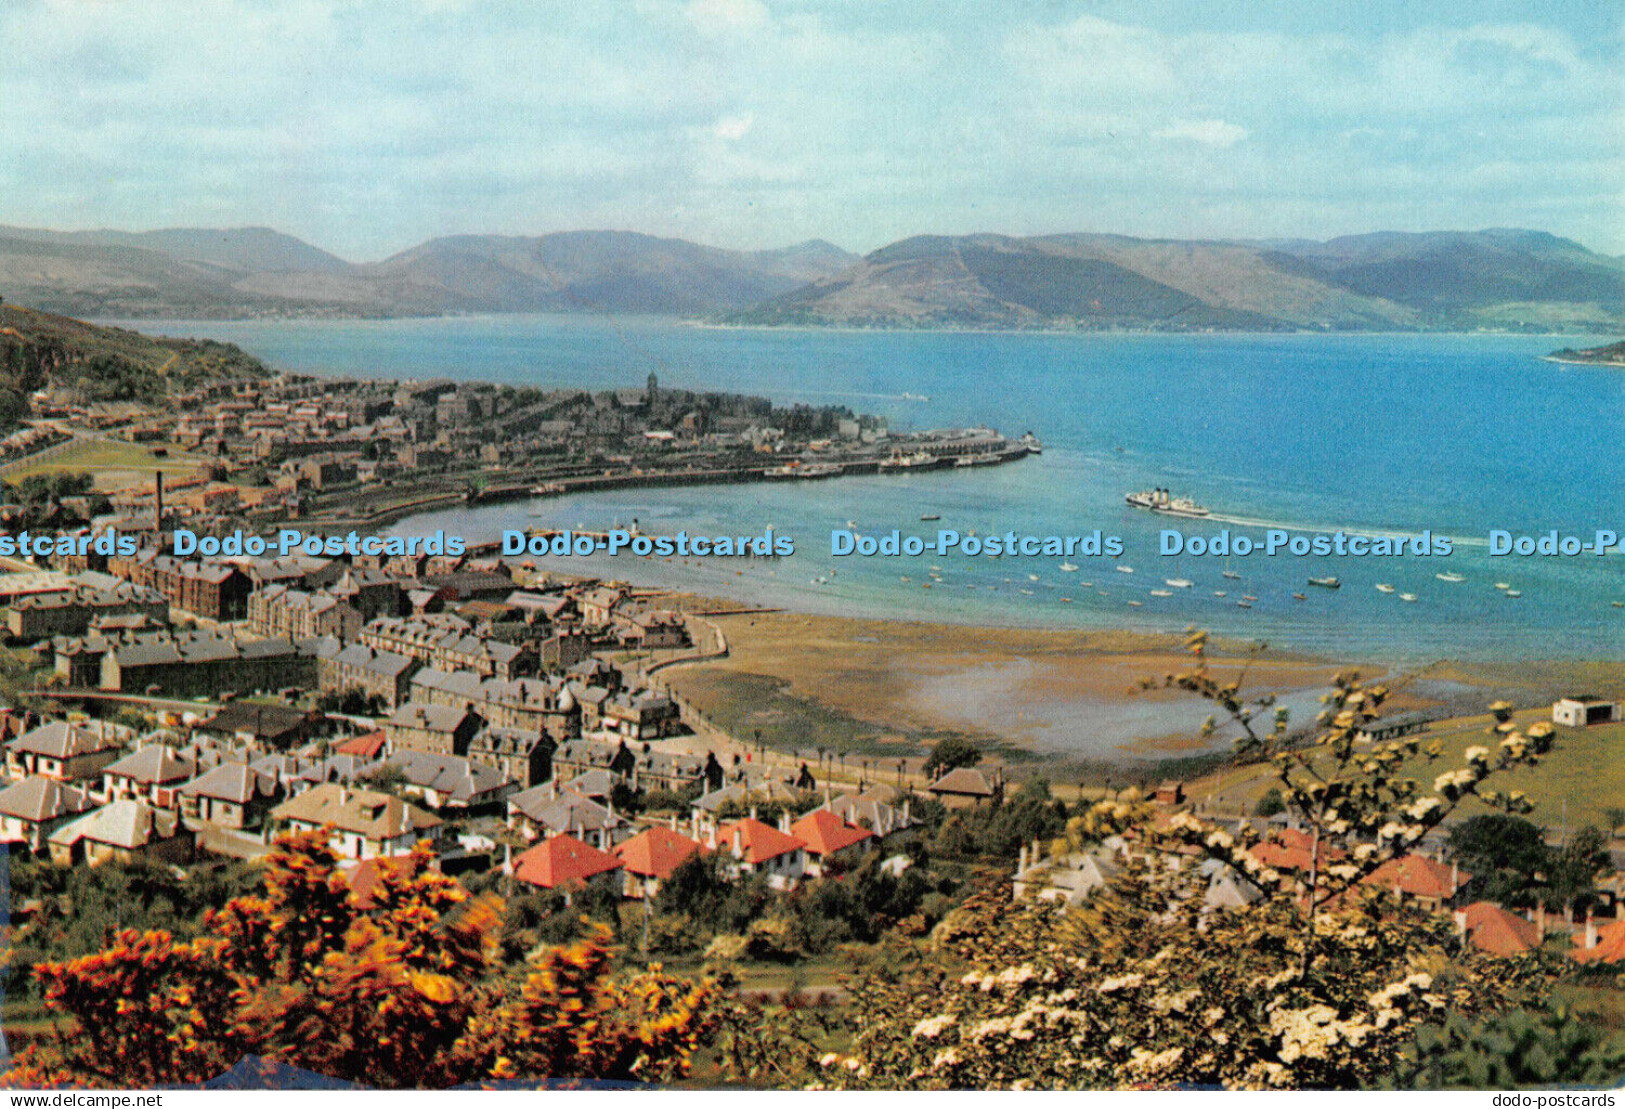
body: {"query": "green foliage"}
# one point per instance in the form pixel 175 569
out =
pixel 80 907
pixel 1523 1049
pixel 1270 803
pixel 1507 857
pixel 40 489
pixel 1511 862
pixel 950 754
pixel 353 701
pixel 1322 982
pixel 1000 831
pixel 403 992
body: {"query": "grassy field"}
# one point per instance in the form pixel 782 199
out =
pixel 116 464
pixel 1582 776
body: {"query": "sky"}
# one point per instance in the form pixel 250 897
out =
pixel 368 126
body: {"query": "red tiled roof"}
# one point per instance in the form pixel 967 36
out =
pixel 825 833
pixel 656 852
pixel 368 746
pixel 1610 945
pixel 1418 876
pixel 562 860
pixel 1493 929
pixel 1296 851
pixel 760 842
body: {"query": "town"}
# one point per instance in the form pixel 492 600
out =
pixel 172 722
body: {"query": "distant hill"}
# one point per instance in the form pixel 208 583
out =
pixel 1449 280
pixel 40 350
pixel 603 271
pixel 1611 355
pixel 1500 279
pixel 258 272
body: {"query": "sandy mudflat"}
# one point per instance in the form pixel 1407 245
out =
pixel 881 682
pixel 878 687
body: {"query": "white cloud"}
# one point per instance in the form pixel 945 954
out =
pixel 733 128
pixel 365 125
pixel 1208 132
pixel 728 17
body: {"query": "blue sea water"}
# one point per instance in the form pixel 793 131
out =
pixel 1393 434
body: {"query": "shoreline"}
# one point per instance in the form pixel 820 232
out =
pixel 700 323
pixel 1069 700
pixel 1603 362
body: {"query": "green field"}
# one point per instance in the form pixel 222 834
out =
pixel 113 462
pixel 1583 776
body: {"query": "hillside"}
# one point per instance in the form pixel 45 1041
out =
pixel 1450 280
pixel 1611 355
pixel 39 350
pixel 256 272
pixel 1497 279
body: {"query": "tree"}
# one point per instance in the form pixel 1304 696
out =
pixel 408 992
pixel 950 754
pixel 1507 857
pixel 1270 803
pixel 1524 1048
pixel 1322 982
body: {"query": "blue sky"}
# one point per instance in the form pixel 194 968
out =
pixel 366 126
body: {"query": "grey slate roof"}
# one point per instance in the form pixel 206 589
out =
pixel 37 800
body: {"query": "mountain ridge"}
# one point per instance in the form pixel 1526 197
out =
pixel 1497 278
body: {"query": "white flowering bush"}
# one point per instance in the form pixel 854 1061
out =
pixel 1322 983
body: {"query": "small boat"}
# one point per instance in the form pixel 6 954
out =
pixel 1124 569
pixel 1087 584
pixel 1068 600
pixel 932 516
pixel 1162 593
pixel 1244 604
pixel 1137 604
pixel 1068 568
pixel 1449 577
pixel 906 578
pixel 1032 577
pixel 1503 585
pixel 1248 597
pixel 1514 593
pixel 1617 604
pixel 1326 583
pixel 1026 592
pixel 1232 575
pixel 1220 593
pixel 1407 596
pixel 1177 583
pixel 1300 597
pixel 1384 587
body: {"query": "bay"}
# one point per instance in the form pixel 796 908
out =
pixel 1450 435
